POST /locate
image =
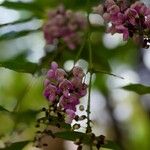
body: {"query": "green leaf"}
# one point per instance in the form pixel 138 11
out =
pixel 39 5
pixel 138 88
pixel 17 21
pixel 55 121
pixel 85 138
pixel 13 34
pixel 3 109
pixel 16 146
pixel 32 6
pixel 111 145
pixel 20 66
pixel 24 116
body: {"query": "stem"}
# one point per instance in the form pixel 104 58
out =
pixel 108 73
pixel 88 105
pixel 117 130
pixel 80 50
pixel 91 148
pixel 88 130
pixel 90 53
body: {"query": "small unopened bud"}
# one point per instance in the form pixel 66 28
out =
pixel 45 144
pixel 95 142
pixel 51 108
pixel 43 109
pixel 37 126
pixel 76 118
pixel 102 139
pixel 82 117
pixel 81 108
pixel 77 141
pixel 99 9
pixel 79 147
pixel 76 126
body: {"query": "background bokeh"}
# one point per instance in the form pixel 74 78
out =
pixel 118 114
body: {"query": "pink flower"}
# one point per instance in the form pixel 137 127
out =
pixel 127 19
pixel 131 15
pixel 83 90
pixel 109 3
pixel 69 103
pixel 76 82
pixel 147 21
pixel 122 5
pixel 66 87
pixel 113 9
pixel 64 90
pixel 118 18
pixel 70 114
pixel 54 65
pixel 50 92
pixel 64 25
pixel 122 29
pixel 60 74
pixel 111 29
pixel 46 82
pixel 56 74
pixel 137 6
pixel 99 9
pixel 106 17
pixel 78 72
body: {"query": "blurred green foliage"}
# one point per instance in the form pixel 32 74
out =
pixel 21 89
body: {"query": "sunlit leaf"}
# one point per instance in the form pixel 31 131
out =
pixel 20 66
pixel 17 21
pixel 15 34
pixel 25 116
pixel 16 146
pixel 111 145
pixel 32 6
pixel 3 109
pixel 86 139
pixel 39 5
pixel 138 88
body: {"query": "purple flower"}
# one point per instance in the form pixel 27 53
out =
pixel 69 102
pixel 114 9
pixel 122 29
pixel 131 15
pixel 60 74
pixel 70 114
pixel 147 21
pixel 99 9
pixel 56 74
pixel 64 90
pixel 64 25
pixel 83 90
pixel 76 82
pixel 126 19
pixel 66 87
pixel 50 92
pixel 109 3
pixel 106 17
pixel 78 72
pixel 117 19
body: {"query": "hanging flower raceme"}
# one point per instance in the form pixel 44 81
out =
pixel 130 20
pixel 64 25
pixel 63 90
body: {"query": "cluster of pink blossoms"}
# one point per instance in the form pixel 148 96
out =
pixel 64 90
pixel 64 25
pixel 130 20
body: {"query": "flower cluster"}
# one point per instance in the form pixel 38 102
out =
pixel 130 20
pixel 64 25
pixel 64 90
